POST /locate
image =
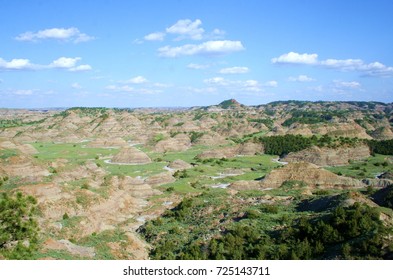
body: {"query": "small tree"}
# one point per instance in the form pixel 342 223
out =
pixel 18 228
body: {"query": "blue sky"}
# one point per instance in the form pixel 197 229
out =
pixel 186 53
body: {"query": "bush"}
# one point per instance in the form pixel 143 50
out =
pixel 18 227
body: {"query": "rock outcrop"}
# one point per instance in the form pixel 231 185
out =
pixel 181 142
pixel 329 156
pixel 310 174
pixel 131 155
pixel 250 149
pixel 179 164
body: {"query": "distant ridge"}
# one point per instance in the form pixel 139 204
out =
pixel 230 103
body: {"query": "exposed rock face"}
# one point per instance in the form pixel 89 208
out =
pixel 310 174
pixel 87 252
pixel 329 156
pixel 227 152
pixel 250 149
pixel 245 185
pixel 179 164
pixel 107 143
pixel 342 129
pixel 386 175
pixel 211 140
pixel 245 149
pixel 23 166
pixel 179 143
pixel 131 155
pixel 331 202
pixel 378 183
pixel 160 179
pixel 382 133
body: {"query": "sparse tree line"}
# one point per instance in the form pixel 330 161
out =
pixel 354 232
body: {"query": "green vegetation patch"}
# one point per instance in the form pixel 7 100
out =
pixel 69 151
pixel 368 168
pixel 5 154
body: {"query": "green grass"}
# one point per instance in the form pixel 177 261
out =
pixel 74 153
pixel 134 170
pixel 367 168
pixel 100 242
pixel 56 254
pixel 5 154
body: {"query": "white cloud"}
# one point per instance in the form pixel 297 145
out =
pixel 240 85
pixel 198 66
pixel 348 85
pixel 301 78
pixel 217 81
pixel 162 85
pixel 187 28
pixel 65 62
pixel 137 80
pixel 125 88
pixel 76 86
pixel 234 70
pixel 296 58
pixel 343 64
pixel 16 64
pixel 128 89
pixel 371 69
pixel 80 68
pixel 218 33
pixel 64 34
pixel 139 85
pixel 69 63
pixel 209 90
pixel 271 84
pixel 206 48
pixel 23 92
pixel 137 41
pixel 156 36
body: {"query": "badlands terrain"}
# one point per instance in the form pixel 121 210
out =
pixel 285 180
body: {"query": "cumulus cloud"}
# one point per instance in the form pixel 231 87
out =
pixel 66 63
pixel 271 84
pixel 358 65
pixel 137 80
pixel 80 68
pixel 234 70
pixel 296 58
pixel 370 69
pixel 218 33
pixel 187 28
pixel 76 86
pixel 198 66
pixel 16 64
pixel 156 36
pixel 129 89
pixel 240 85
pixel 301 78
pixel 137 85
pixel 217 81
pixel 64 34
pixel 69 64
pixel 23 92
pixel 348 85
pixel 206 48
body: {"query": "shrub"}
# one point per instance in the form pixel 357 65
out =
pixel 18 227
